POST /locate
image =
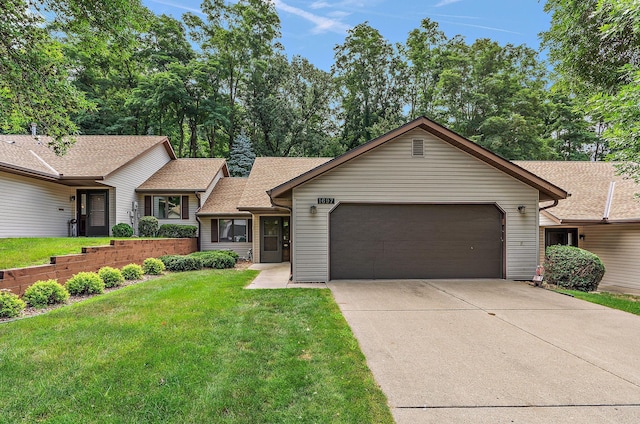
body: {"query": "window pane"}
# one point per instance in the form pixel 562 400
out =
pixel 226 230
pixel 159 207
pixel 174 211
pixel 240 230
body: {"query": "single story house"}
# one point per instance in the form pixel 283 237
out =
pixel 99 182
pixel 418 202
pixel 602 215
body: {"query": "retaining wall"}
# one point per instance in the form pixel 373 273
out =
pixel 117 255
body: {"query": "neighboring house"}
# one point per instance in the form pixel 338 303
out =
pixel 418 202
pixel 94 185
pixel 602 215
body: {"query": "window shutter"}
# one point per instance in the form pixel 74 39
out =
pixel 147 206
pixel 214 231
pixel 249 230
pixel 185 207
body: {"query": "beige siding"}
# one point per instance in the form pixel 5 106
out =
pixel 126 179
pixel 34 208
pixel 241 249
pixel 389 174
pixel 618 246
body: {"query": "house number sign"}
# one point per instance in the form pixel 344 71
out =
pixel 326 200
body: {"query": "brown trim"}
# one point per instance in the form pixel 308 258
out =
pixel 250 230
pixel 170 190
pixel 547 190
pixel 263 211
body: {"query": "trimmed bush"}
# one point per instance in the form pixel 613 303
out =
pixel 153 266
pixel 10 304
pixel 85 283
pixel 122 230
pixel 111 277
pixel 132 272
pixel 148 226
pixel 177 231
pixel 231 253
pixel 45 292
pixel 573 268
pixel 167 260
pixel 219 259
pixel 177 263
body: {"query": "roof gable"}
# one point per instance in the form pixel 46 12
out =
pixel 547 190
pixel 90 157
pixel 185 175
pixel 225 197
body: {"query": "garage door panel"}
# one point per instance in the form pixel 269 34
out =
pixel 415 241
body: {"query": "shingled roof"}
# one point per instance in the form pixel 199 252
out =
pixel 268 173
pixel 590 184
pixel 185 175
pixel 92 156
pixel 224 197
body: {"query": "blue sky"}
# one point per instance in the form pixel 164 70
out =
pixel 312 28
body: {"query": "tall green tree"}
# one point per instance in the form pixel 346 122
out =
pixel 36 81
pixel 368 75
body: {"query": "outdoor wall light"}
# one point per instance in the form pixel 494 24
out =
pixel 72 198
pixel 313 210
pixel 581 237
pixel 522 209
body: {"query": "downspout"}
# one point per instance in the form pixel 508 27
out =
pixel 553 205
pixel 291 232
pixel 607 206
pixel 198 196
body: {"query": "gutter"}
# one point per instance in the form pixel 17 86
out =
pixel 607 206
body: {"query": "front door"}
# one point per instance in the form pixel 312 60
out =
pixel 93 213
pixel 271 246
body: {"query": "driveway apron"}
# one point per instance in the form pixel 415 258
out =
pixel 493 351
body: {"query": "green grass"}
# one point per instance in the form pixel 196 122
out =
pixel 20 252
pixel 623 302
pixel 190 347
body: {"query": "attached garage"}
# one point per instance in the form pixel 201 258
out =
pixel 420 202
pixel 405 241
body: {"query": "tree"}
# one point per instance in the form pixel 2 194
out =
pixel 241 157
pixel 595 46
pixel 35 84
pixel 368 73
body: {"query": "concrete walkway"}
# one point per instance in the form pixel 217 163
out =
pixel 494 351
pixel 276 276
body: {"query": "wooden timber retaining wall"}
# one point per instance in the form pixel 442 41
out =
pixel 117 255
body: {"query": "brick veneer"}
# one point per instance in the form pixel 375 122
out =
pixel 117 255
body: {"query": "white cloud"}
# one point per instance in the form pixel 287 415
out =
pixel 322 23
pixel 178 6
pixel 483 27
pixel 446 2
pixel 319 5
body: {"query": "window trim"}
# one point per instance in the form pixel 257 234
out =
pixel 215 229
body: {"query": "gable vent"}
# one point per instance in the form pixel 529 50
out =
pixel 417 149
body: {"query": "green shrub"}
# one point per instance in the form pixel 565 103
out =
pixel 45 292
pixel 122 230
pixel 179 263
pixel 85 283
pixel 572 268
pixel 231 253
pixel 219 259
pixel 153 266
pixel 132 272
pixel 177 231
pixel 111 277
pixel 148 226
pixel 10 304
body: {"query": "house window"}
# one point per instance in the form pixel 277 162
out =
pixel 563 236
pixel 167 207
pixel 234 230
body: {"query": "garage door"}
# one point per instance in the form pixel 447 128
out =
pixel 387 241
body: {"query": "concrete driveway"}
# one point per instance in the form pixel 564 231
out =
pixel 494 351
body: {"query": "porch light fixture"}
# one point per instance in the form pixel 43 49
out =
pixel 72 198
pixel 581 236
pixel 313 210
pixel 522 209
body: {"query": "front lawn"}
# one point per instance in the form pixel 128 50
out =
pixel 21 252
pixel 190 347
pixel 624 302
